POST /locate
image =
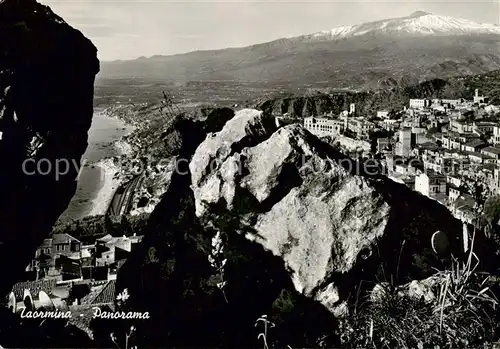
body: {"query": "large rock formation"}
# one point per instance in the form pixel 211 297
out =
pixel 303 226
pixel 170 275
pixel 333 221
pixel 47 72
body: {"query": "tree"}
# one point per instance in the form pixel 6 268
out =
pixel 469 115
pixel 491 213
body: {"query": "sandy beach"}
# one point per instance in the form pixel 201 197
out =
pixel 97 183
pixel 109 178
pixel 109 184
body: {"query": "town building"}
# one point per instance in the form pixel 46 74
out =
pixel 384 144
pixel 439 164
pixel 484 127
pixel 383 114
pixel 492 152
pixel 390 124
pixel 452 102
pixel 406 142
pixel 474 146
pixel 480 158
pixel 361 127
pixel 496 135
pixel 453 185
pixel 323 126
pixel 53 258
pixel 430 184
pixel 461 126
pixel 480 99
pixel 420 103
pixel 110 251
pixel 496 179
pixel 463 208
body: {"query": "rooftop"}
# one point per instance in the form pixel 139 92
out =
pixel 34 287
pixel 475 143
pixel 107 294
pixel 63 239
pixel 432 174
pixel 487 167
pixel 428 145
pixel 492 150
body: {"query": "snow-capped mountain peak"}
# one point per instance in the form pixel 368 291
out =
pixel 417 24
pixel 418 14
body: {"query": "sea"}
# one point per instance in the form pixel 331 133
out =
pixel 102 135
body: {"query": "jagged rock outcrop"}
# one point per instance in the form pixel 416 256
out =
pixel 246 130
pixel 425 289
pixel 46 96
pixel 334 222
pixel 170 274
pixel 156 146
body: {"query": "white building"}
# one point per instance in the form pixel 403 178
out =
pixel 361 127
pixel 390 124
pixel 419 103
pixel 430 184
pixel 453 102
pixel 492 109
pixel 383 114
pixel 496 135
pixel 479 99
pixel 323 127
pixel 461 126
pixel 453 185
pixel 496 179
pixel 404 144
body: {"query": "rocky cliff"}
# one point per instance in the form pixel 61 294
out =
pixel 47 72
pixel 329 218
pixel 387 97
pixel 302 226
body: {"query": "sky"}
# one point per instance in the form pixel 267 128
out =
pixel 129 29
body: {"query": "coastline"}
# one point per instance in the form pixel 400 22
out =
pixel 110 183
pixel 109 175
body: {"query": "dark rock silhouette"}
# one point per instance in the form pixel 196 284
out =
pixel 46 99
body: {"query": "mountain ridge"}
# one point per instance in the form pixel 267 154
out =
pixel 357 61
pixel 417 24
pixel 414 15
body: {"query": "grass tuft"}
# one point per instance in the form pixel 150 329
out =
pixel 463 313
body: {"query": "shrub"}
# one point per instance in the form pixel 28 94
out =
pixel 463 314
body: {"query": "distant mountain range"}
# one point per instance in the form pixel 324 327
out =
pixel 387 53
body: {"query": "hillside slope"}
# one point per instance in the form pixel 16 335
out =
pixel 388 98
